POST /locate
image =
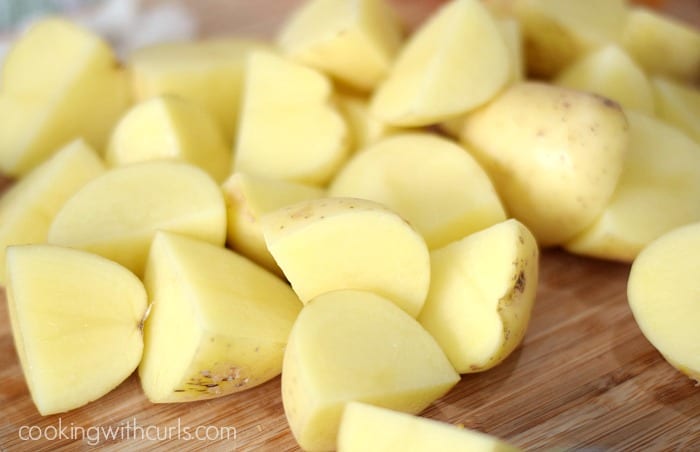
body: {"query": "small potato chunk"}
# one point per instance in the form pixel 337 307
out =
pixel 481 294
pixel 557 32
pixel 430 181
pixel 365 128
pixel 344 243
pixel 117 214
pixel 354 41
pixel 218 322
pixel 435 76
pixel 289 128
pixel 610 72
pixel 553 154
pixel 663 291
pixel 357 346
pixel 59 82
pixel 208 72
pixel 248 197
pixel 662 45
pixel 170 127
pixel 679 105
pixel 659 190
pixel 368 428
pixel 76 320
pixel 29 206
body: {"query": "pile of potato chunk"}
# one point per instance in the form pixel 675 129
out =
pixel 354 207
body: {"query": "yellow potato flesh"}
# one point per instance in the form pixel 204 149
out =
pixel 432 182
pixel 356 346
pixel 434 76
pixel 248 197
pixel 76 320
pixel 365 128
pixel 663 294
pixel 481 295
pixel 117 214
pixel 352 41
pixel 679 105
pixel 29 206
pixel 218 322
pixel 344 243
pixel 289 129
pixel 367 428
pixel 661 175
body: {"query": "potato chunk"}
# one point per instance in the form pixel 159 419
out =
pixel 481 294
pixel 345 243
pixel 663 294
pixel 432 182
pixel 218 323
pixel 29 206
pixel 367 428
pixel 679 105
pixel 76 320
pixel 555 155
pixel 351 345
pixel 117 214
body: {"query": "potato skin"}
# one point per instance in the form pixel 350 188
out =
pixel 554 154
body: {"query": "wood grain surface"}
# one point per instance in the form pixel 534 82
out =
pixel 584 378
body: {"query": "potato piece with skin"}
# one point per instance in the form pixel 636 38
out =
pixel 365 128
pixel 117 214
pixel 248 197
pixel 59 82
pixel 663 294
pixel 430 181
pixel 553 154
pixel 289 127
pixel 662 45
pixel 482 291
pixel 679 105
pixel 557 32
pixel 357 346
pixel 610 72
pixel 170 127
pixel 661 174
pixel 353 41
pixel 29 206
pixel 434 76
pixel 218 322
pixel 344 243
pixel 76 347
pixel 368 428
pixel 208 72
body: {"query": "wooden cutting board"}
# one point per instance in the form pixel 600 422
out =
pixel 585 377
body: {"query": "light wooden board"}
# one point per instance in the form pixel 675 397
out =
pixel 585 377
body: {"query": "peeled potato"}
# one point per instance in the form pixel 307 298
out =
pixel 679 105
pixel 356 346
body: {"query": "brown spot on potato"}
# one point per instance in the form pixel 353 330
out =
pixel 520 282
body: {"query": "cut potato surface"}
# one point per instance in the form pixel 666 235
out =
pixel 29 206
pixel 663 295
pixel 354 41
pixel 356 346
pixel 59 82
pixel 76 320
pixel 434 76
pixel 248 197
pixel 368 428
pixel 170 127
pixel 365 129
pixel 481 295
pixel 345 243
pixel 208 72
pixel 661 174
pixel 117 214
pixel 430 181
pixel 553 154
pixel 218 322
pixel 292 134
pixel 679 105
